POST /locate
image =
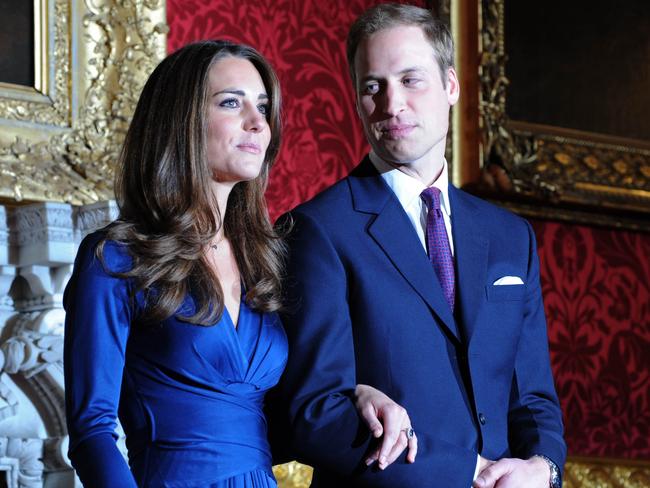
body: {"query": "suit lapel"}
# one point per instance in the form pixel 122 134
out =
pixel 471 255
pixel 393 232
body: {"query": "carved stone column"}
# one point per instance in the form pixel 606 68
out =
pixel 38 245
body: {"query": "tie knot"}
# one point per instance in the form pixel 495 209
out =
pixel 431 197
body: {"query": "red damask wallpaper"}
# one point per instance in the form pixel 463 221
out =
pixel 596 285
pixel 595 281
pixel 304 40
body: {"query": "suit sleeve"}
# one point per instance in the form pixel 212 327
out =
pixel 535 419
pixel 96 332
pixel 319 381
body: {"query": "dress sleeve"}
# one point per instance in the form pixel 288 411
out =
pixel 98 317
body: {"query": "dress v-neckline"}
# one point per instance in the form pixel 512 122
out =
pixel 246 335
pixel 242 297
pixel 228 316
pixel 233 324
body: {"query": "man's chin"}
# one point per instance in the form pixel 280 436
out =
pixel 398 151
pixel 397 158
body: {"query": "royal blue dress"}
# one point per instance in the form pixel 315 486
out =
pixel 189 397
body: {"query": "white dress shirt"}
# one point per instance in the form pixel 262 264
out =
pixel 407 189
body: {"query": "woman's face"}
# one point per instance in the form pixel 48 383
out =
pixel 238 130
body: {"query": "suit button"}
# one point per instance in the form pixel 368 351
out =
pixel 482 419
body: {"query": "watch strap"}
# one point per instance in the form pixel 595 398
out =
pixel 556 480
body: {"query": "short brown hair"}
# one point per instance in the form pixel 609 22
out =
pixel 387 15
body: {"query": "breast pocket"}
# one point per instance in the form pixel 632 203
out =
pixel 505 293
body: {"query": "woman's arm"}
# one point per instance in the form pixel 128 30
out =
pixel 386 419
pixel 97 323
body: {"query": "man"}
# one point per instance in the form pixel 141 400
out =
pixel 456 335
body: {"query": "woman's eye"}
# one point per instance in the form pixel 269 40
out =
pixel 230 103
pixel 371 88
pixel 263 108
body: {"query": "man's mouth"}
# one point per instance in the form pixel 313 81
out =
pixel 396 131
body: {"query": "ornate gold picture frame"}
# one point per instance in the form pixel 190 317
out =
pixel 538 170
pixel 59 139
pixel 542 171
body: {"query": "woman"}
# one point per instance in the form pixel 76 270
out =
pixel 171 309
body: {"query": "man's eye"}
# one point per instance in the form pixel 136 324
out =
pixel 410 81
pixel 230 103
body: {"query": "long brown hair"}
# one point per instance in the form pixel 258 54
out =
pixel 168 214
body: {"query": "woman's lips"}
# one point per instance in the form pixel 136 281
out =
pixel 249 147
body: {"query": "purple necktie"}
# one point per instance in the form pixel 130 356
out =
pixel 438 244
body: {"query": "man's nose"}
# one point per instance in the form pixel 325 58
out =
pixel 393 100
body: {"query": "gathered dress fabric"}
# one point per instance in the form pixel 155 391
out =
pixel 189 397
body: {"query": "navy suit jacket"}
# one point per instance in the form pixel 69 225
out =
pixel 365 306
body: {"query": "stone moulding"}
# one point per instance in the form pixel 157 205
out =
pixel 37 247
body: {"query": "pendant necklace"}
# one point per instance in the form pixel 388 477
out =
pixel 215 246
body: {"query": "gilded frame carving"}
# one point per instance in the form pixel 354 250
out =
pixel 537 171
pixel 543 171
pixel 59 139
pixel 578 472
pixel 606 473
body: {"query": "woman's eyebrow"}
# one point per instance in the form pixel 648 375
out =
pixel 241 93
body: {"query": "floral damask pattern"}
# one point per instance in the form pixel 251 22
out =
pixel 596 285
pixel 305 42
pixel 595 281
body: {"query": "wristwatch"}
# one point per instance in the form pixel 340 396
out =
pixel 555 481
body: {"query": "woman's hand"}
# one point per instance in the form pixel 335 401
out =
pixel 385 417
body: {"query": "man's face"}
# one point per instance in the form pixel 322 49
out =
pixel 403 105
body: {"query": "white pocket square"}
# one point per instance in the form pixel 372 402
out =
pixel 508 280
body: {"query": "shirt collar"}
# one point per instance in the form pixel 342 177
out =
pixel 407 189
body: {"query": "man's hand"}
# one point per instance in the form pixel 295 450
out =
pixel 514 473
pixel 385 417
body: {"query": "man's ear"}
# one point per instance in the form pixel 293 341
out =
pixel 453 87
